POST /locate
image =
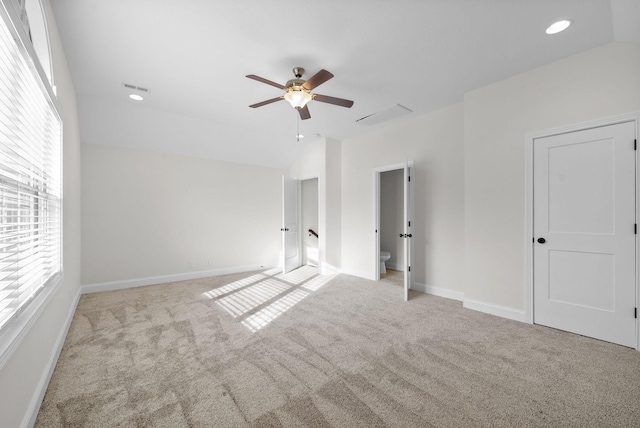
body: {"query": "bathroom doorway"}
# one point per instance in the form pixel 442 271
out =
pixel 393 232
pixel 309 217
pixel 391 219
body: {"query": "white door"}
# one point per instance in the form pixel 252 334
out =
pixel 584 238
pixel 290 224
pixel 408 205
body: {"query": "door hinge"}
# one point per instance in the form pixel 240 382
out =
pixel 635 229
pixel 409 268
pixel 635 312
pixel 409 178
pixel 409 223
pixel 635 144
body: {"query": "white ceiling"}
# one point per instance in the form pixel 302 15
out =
pixel 194 55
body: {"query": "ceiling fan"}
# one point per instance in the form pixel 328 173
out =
pixel 298 91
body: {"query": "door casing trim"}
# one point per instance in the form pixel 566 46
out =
pixel 376 209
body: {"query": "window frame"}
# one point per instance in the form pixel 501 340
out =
pixel 17 328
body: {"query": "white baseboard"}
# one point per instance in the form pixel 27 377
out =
pixel 360 274
pixel 439 291
pixel 327 269
pixel 395 266
pixel 34 406
pixel 500 311
pixel 152 280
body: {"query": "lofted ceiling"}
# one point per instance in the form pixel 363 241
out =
pixel 194 55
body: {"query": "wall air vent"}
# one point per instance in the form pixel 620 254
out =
pixel 134 87
pixel 387 114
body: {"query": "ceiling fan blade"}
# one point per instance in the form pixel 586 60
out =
pixel 263 80
pixel 264 103
pixel 317 79
pixel 304 113
pixel 333 100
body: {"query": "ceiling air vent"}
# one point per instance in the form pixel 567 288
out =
pixel 390 113
pixel 134 87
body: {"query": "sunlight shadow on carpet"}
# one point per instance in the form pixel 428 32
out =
pixel 298 276
pixel 234 286
pixel 246 299
pixel 261 298
pixel 269 313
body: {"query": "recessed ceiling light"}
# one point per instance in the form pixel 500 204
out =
pixel 136 97
pixel 557 27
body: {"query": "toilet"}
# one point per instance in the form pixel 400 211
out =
pixel 384 256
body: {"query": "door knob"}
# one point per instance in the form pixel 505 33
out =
pixel 402 235
pixel 541 240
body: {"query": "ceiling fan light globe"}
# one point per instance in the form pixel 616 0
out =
pixel 298 98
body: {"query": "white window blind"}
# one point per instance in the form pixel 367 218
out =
pixel 30 182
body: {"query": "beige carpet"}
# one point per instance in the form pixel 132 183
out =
pixel 262 350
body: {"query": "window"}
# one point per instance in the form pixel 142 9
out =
pixel 33 19
pixel 30 179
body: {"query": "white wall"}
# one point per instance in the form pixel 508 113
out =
pixel 322 158
pixel 333 207
pixel 311 162
pixel 392 216
pixel 435 143
pixel 594 84
pixel 25 375
pixel 147 214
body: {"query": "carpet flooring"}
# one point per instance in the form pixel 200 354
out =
pixel 302 350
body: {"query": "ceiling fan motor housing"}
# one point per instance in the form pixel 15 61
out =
pixel 297 95
pixel 295 84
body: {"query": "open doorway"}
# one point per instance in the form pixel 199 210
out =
pixel 391 223
pixel 393 213
pixel 300 231
pixel 309 214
